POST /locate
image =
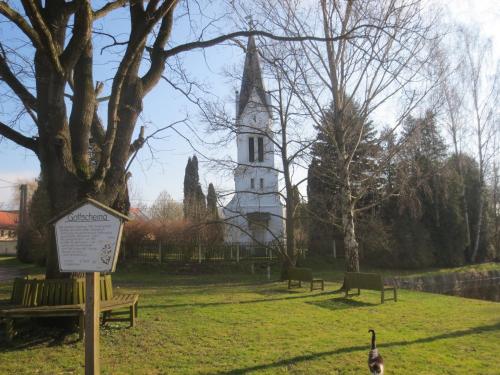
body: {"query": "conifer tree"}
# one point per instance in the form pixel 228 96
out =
pixel 323 179
pixel 194 200
pixel 212 202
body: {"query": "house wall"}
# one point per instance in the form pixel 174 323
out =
pixel 8 247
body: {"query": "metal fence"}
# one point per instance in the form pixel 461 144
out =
pixel 153 251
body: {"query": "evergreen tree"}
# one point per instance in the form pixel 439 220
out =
pixel 212 202
pixel 194 200
pixel 188 189
pixel 215 228
pixel 323 178
pixel 426 221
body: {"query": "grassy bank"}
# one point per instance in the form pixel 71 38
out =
pixel 241 324
pixel 333 269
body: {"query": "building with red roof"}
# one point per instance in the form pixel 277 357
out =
pixel 8 232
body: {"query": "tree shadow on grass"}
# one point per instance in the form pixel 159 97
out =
pixel 314 356
pixel 31 335
pixel 294 295
pixel 340 304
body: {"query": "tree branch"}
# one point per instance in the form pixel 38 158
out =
pixel 82 32
pixel 212 42
pixel 6 75
pixel 112 5
pixel 21 23
pixel 18 138
pixel 49 45
pixel 157 59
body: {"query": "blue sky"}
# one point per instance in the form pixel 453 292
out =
pixel 163 167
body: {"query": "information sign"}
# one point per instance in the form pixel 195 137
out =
pixel 88 238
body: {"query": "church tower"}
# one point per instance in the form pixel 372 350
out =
pixel 255 213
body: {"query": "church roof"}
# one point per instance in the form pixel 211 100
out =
pixel 252 78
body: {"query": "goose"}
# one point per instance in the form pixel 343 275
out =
pixel 375 361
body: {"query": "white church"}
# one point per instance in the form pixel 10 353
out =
pixel 255 214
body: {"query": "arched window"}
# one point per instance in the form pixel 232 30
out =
pixel 251 150
pixel 260 148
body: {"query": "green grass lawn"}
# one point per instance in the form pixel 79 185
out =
pixel 241 324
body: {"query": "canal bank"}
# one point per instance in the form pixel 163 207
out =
pixel 478 284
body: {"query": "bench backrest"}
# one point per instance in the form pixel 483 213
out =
pixel 300 274
pixel 106 288
pixel 370 281
pixel 60 292
pixel 37 291
pixel 24 292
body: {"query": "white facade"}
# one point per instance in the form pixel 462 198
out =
pixel 255 214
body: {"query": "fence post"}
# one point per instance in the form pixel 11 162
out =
pixel 159 251
pixel 199 253
pixel 268 271
pixel 334 250
pixel 237 253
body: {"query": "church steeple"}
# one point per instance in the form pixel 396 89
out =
pixel 252 78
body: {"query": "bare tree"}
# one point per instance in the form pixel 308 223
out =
pixel 80 154
pixel 372 68
pixel 165 208
pixel 482 74
pixel 450 97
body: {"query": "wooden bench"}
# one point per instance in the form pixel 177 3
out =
pixel 303 274
pixel 369 281
pixel 36 297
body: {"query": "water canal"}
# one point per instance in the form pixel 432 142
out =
pixel 478 285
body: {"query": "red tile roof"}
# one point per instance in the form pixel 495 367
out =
pixel 9 219
pixel 136 214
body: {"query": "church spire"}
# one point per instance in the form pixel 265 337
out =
pixel 252 78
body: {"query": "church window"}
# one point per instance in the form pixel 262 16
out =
pixel 252 183
pixel 260 148
pixel 261 184
pixel 251 150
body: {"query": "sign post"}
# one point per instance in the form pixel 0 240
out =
pixel 92 303
pixel 88 237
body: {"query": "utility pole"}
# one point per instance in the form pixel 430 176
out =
pixel 23 218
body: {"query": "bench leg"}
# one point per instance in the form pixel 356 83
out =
pixel 136 307
pixel 359 292
pixel 132 316
pixel 81 326
pixel 105 316
pixel 395 295
pixel 9 329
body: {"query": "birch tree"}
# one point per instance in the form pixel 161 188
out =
pixel 481 73
pixel 377 65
